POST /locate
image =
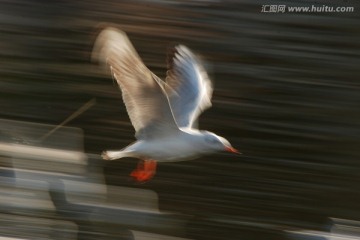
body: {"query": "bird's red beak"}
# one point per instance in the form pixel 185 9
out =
pixel 232 150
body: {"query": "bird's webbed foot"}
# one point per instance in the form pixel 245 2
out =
pixel 145 170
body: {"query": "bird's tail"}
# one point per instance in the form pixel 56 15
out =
pixel 112 155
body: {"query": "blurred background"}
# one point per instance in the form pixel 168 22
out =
pixel 286 95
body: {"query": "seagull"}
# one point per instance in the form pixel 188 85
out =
pixel 163 113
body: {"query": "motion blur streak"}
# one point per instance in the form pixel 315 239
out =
pixel 286 95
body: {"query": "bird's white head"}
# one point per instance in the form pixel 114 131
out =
pixel 217 143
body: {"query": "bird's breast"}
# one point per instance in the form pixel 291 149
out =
pixel 170 149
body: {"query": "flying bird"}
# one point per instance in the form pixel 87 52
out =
pixel 163 113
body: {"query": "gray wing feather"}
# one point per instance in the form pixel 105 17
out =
pixel 143 93
pixel 190 88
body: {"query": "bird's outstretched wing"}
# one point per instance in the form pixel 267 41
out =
pixel 190 87
pixel 143 92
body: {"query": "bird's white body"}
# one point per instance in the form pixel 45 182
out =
pixel 184 145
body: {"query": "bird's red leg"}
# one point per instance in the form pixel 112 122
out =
pixel 145 170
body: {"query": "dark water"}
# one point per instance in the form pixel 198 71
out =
pixel 286 94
